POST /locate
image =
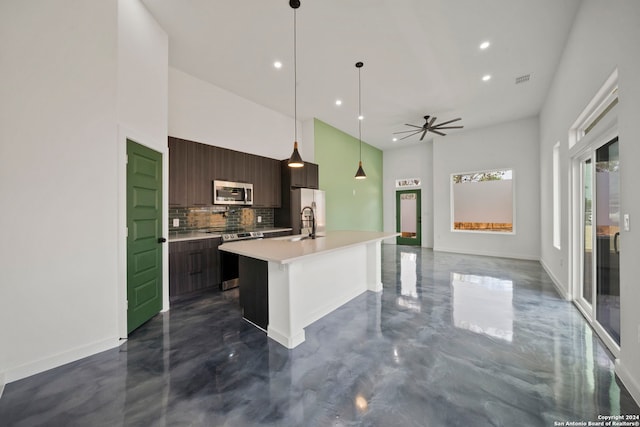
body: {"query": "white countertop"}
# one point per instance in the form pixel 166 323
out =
pixel 197 235
pixel 283 250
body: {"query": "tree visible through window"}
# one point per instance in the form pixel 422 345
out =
pixel 483 201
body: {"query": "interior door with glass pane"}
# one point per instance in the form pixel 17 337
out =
pixel 408 218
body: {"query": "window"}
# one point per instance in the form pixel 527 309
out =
pixel 598 108
pixel 556 195
pixel 483 201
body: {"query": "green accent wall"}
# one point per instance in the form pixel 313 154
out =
pixel 351 204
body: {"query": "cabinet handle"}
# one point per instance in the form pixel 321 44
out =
pixel 161 240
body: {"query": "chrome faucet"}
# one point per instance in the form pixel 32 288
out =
pixel 313 220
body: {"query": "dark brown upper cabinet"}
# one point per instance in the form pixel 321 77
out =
pixel 193 167
pixel 177 172
pixel 199 191
pixel 188 172
pixel 266 182
pixel 304 177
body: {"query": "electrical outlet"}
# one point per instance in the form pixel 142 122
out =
pixel 259 219
pixel 176 222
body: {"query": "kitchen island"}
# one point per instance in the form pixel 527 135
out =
pixel 287 283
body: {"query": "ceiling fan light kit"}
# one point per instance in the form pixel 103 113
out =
pixel 295 161
pixel 429 126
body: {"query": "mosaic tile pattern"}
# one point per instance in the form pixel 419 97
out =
pixel 219 218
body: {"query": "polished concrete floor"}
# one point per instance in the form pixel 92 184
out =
pixel 453 340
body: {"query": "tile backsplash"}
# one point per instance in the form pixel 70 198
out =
pixel 220 218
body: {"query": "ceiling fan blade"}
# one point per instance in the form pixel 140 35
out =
pixel 449 121
pixel 447 127
pixel 405 137
pixel 415 126
pixel 439 133
pixel 423 134
pixel 433 119
pixel 406 131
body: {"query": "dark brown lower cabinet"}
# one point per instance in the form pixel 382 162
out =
pixel 193 265
pixel 254 290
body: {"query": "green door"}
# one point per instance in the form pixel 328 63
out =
pixel 144 234
pixel 408 219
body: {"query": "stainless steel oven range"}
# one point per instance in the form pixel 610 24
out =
pixel 229 261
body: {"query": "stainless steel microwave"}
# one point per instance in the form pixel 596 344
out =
pixel 232 193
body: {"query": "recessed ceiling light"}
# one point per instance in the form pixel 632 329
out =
pixel 394 139
pixel 338 102
pixel 361 117
pixel 277 64
pixel 486 78
pixel 484 45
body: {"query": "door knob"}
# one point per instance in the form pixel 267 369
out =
pixel 161 240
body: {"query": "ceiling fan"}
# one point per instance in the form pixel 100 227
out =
pixel 429 126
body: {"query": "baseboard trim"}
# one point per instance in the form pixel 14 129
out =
pixel 556 282
pixel 629 382
pixel 28 369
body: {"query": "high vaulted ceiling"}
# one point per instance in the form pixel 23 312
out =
pixel 420 57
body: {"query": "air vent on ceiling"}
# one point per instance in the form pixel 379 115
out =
pixel 523 79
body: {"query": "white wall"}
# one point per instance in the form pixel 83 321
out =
pixel 143 87
pixel 512 145
pixel 71 92
pixel 414 161
pixel 143 75
pixel 58 180
pixel 202 112
pixel 605 35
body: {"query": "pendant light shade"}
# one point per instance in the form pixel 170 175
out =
pixel 360 173
pixel 295 161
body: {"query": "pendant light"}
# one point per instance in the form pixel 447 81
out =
pixel 295 161
pixel 360 173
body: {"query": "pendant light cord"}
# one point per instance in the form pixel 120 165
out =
pixel 295 81
pixel 360 172
pixel 360 113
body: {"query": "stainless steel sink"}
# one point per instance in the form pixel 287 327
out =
pixel 299 238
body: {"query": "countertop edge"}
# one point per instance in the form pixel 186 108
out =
pixel 292 259
pixel 199 235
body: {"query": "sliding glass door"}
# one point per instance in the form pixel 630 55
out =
pixel 607 173
pixel 587 232
pixel 599 212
